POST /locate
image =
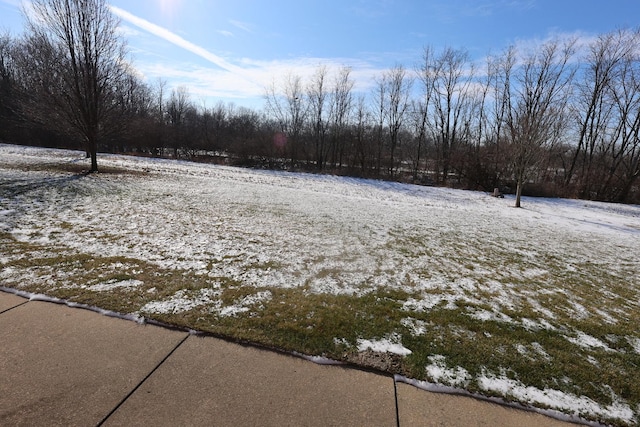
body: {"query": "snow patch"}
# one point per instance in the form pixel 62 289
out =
pixel 319 360
pixel 390 344
pixel 578 405
pixel 183 300
pixel 416 326
pixel 439 372
pixel 540 351
pixel 579 311
pixel 111 285
pixel 534 351
pixel 485 315
pixel 587 341
pixel 242 305
pixel 635 343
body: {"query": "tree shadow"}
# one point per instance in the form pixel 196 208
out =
pixel 13 188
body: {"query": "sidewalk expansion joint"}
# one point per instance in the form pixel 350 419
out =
pixel 141 382
pixel 15 306
pixel 395 395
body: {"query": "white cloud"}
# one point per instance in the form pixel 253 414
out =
pixel 206 82
pixel 243 79
pixel 242 25
pixel 228 79
pixel 127 31
pixel 247 78
pixel 581 39
pixel 225 33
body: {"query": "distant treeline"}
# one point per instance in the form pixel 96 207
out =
pixel 561 119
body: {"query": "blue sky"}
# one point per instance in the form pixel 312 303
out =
pixel 231 50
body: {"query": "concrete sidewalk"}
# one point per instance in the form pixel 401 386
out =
pixel 68 366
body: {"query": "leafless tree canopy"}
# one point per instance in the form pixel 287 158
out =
pixel 77 62
pixel 559 119
pixel 535 120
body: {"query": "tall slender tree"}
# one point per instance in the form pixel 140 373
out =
pixel 286 103
pixel 537 113
pixel 87 55
pixel 317 94
pixel 447 79
pixel 340 110
pixel 7 83
pixel 396 103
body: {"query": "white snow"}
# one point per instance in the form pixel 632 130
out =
pixel 243 304
pixel 540 351
pixel 385 345
pixel 135 317
pixel 578 405
pixel 416 326
pixel 439 372
pixel 182 301
pixel 319 360
pixel 587 341
pixel 111 285
pixel 335 235
pixel 635 343
pixel 484 315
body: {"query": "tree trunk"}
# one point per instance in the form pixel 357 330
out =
pixel 92 152
pixel 518 192
pixel 94 161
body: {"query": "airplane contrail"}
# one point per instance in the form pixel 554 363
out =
pixel 178 41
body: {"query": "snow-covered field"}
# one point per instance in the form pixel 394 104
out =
pixel 556 271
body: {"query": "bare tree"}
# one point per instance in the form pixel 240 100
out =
pixel 485 161
pixel 500 75
pixel 419 117
pixel 8 93
pixel 538 108
pixel 474 164
pixel 604 89
pixel 379 113
pixel 6 68
pixel 287 105
pixel 86 54
pixel 160 90
pixel 134 102
pixel 622 163
pixel 317 95
pixel 447 79
pixel 222 115
pixel 362 146
pixel 340 110
pixel 394 91
pixel 178 105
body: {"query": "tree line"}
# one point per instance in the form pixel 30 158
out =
pixel 561 118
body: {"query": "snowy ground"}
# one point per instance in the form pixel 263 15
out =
pixel 461 267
